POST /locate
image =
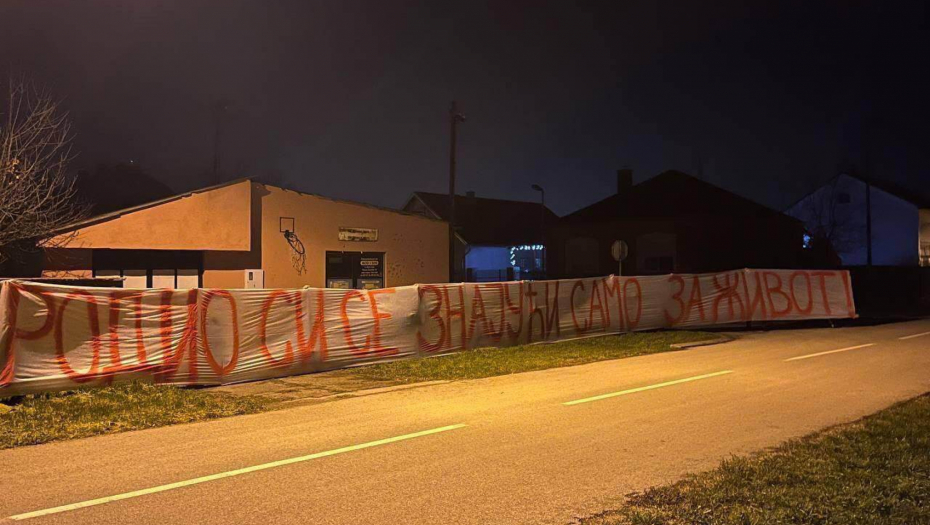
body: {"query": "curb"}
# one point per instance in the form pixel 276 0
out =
pixel 705 342
pixel 358 393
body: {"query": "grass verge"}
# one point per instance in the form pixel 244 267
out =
pixel 41 418
pixel 875 471
pixel 488 362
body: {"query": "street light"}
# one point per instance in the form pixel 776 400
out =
pixel 542 223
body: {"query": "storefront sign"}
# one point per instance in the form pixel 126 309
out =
pixel 370 271
pixel 358 234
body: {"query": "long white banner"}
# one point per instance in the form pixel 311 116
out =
pixel 60 337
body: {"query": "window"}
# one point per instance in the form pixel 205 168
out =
pixel 187 279
pixel 582 257
pixel 135 279
pixel 806 241
pixel 925 254
pixel 181 269
pixel 162 278
pixel 527 260
pixel 360 270
pixel 660 264
pixel 159 278
pixel 655 253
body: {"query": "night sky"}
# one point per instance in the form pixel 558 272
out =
pixel 349 99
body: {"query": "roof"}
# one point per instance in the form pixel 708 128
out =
pixel 916 198
pixel 96 219
pixel 672 194
pixel 491 222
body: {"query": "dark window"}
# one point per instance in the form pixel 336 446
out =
pixel 151 268
pixel 660 264
pixel 806 240
pixel 360 270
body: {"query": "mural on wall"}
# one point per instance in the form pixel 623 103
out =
pixel 59 337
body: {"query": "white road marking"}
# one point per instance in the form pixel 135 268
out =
pixel 644 388
pixel 848 348
pixel 913 336
pixel 228 474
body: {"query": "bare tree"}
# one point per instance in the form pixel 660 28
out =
pixel 37 197
pixel 830 220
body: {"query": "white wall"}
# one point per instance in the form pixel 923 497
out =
pixel 895 222
pixel 924 239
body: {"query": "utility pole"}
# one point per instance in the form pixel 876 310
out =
pixel 218 111
pixel 454 118
pixel 868 222
pixel 867 178
pixel 542 226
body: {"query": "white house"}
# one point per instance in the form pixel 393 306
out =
pixel 838 211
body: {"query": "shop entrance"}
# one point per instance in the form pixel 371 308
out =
pixel 359 270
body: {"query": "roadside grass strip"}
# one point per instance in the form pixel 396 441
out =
pixel 873 471
pixel 645 388
pixel 489 362
pixel 42 418
pixel 828 352
pixel 228 474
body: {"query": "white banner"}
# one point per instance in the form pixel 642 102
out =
pixel 60 337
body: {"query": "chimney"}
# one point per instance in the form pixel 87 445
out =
pixel 624 180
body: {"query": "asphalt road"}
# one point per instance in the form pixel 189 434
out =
pixel 540 447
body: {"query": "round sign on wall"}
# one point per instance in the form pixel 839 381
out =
pixel 619 250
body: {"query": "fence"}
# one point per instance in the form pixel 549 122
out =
pixel 891 291
pixel 57 337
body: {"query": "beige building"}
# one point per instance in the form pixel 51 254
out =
pixel 244 234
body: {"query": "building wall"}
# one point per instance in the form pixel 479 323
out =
pixel 895 223
pixel 691 244
pixel 462 249
pixel 415 247
pixel 488 257
pixel 895 230
pixel 583 250
pixel 65 264
pixel 225 269
pixel 924 237
pixel 216 219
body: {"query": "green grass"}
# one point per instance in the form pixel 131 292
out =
pixel 488 362
pixel 42 418
pixel 876 471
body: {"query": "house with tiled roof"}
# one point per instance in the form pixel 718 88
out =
pixel 868 221
pixel 497 239
pixel 677 223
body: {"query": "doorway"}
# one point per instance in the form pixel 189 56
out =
pixel 355 270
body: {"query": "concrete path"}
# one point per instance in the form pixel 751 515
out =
pixel 540 447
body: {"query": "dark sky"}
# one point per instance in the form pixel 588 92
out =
pixel 349 98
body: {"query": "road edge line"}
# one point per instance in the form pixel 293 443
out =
pixel 227 474
pixel 644 388
pixel 838 350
